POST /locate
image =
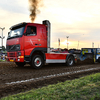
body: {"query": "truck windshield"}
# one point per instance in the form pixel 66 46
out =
pixel 16 32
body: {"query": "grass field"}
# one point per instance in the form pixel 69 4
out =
pixel 84 88
pixel 2 60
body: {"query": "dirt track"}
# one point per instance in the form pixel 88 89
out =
pixel 26 78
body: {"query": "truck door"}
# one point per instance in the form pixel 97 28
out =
pixel 42 37
pixel 30 40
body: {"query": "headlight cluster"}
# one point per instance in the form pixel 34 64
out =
pixel 19 53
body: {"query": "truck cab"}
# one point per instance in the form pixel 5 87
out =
pixel 25 40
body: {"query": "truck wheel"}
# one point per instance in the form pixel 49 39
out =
pixel 20 64
pixel 37 62
pixel 70 61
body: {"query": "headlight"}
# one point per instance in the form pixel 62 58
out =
pixel 19 53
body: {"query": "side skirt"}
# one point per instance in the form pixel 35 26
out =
pixel 55 61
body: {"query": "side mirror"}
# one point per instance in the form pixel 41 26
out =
pixel 28 31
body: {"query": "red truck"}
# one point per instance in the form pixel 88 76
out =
pixel 30 43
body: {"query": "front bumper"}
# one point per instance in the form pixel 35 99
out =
pixel 14 57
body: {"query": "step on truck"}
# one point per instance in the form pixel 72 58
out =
pixel 30 43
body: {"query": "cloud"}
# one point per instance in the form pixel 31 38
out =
pixel 18 6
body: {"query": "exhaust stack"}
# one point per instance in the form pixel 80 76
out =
pixel 47 23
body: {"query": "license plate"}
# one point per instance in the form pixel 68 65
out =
pixel 12 60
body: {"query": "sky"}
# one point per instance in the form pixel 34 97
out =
pixel 78 19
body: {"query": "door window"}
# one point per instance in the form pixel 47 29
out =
pixel 33 31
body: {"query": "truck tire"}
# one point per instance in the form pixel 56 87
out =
pixel 20 64
pixel 37 62
pixel 70 61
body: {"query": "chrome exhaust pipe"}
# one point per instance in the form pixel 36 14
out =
pixel 47 23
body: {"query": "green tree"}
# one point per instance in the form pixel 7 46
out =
pixel 3 48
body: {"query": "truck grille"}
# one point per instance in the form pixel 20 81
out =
pixel 10 48
pixel 13 47
pixel 12 55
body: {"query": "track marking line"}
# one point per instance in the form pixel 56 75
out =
pixel 50 76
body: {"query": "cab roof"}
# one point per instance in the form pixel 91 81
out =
pixel 23 24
